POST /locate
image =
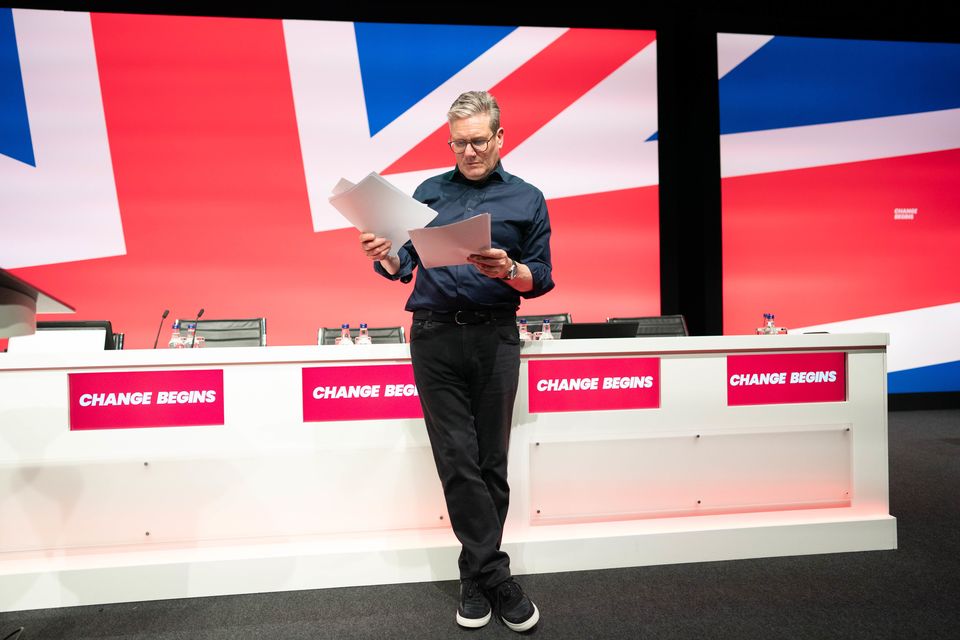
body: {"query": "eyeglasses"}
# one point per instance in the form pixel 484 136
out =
pixel 479 145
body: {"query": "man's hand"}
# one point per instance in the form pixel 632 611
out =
pixel 493 263
pixel 377 248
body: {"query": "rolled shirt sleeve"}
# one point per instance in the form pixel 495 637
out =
pixel 408 261
pixel 535 252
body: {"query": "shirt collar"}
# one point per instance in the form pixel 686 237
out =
pixel 497 174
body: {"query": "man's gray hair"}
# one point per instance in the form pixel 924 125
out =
pixel 473 103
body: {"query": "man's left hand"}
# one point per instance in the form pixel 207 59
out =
pixel 493 263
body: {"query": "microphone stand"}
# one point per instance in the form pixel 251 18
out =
pixel 193 338
pixel 166 312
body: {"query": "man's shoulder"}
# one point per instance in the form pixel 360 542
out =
pixel 519 183
pixel 430 188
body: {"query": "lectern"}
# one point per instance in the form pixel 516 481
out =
pixel 20 302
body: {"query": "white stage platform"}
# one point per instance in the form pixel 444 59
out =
pixel 267 502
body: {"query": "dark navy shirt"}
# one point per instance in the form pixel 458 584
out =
pixel 519 224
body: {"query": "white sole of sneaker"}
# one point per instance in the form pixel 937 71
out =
pixel 473 623
pixel 526 624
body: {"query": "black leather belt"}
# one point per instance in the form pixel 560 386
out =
pixel 464 316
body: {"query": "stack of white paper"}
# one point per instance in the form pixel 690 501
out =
pixel 374 205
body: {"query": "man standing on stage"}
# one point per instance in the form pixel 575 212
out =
pixel 465 347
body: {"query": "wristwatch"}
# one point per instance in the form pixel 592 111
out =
pixel 512 272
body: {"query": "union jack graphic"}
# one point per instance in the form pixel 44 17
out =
pixel 841 206
pixel 160 161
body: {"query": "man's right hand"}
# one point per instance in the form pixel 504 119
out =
pixel 377 248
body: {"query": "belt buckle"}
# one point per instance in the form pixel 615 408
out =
pixel 456 318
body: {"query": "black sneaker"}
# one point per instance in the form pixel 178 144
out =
pixel 514 607
pixel 474 609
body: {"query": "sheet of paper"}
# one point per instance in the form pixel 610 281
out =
pixel 375 205
pixel 451 244
pixel 342 185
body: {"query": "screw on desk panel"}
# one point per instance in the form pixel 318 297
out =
pixel 148 533
pixel 698 502
pixel 698 435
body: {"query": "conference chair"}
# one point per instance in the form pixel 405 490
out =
pixel 243 332
pixel 557 320
pixel 647 326
pixel 378 335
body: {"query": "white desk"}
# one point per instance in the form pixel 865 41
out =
pixel 268 502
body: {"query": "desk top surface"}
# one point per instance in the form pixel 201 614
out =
pixel 329 354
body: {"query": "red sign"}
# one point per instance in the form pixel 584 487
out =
pixel 132 399
pixel 374 392
pixel 593 384
pixel 782 378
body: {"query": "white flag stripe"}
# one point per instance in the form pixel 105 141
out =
pixel 65 208
pixel 597 143
pixel 734 48
pixel 838 142
pixel 918 337
pixel 331 113
pixel 409 181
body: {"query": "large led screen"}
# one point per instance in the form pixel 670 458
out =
pixel 153 162
pixel 841 194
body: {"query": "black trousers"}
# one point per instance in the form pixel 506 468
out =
pixel 467 379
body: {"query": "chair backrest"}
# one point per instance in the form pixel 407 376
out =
pixel 243 332
pixel 378 335
pixel 674 325
pixel 557 320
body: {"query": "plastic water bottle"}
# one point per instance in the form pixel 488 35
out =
pixel 545 333
pixel 176 342
pixel 768 328
pixel 762 329
pixel 363 337
pixel 191 336
pixel 345 334
pixel 524 331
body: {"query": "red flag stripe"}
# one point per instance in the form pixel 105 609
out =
pixel 822 244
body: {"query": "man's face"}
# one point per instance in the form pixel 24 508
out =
pixel 473 164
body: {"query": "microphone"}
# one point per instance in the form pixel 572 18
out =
pixel 166 312
pixel 193 338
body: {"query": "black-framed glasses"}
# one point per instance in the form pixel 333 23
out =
pixel 479 145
